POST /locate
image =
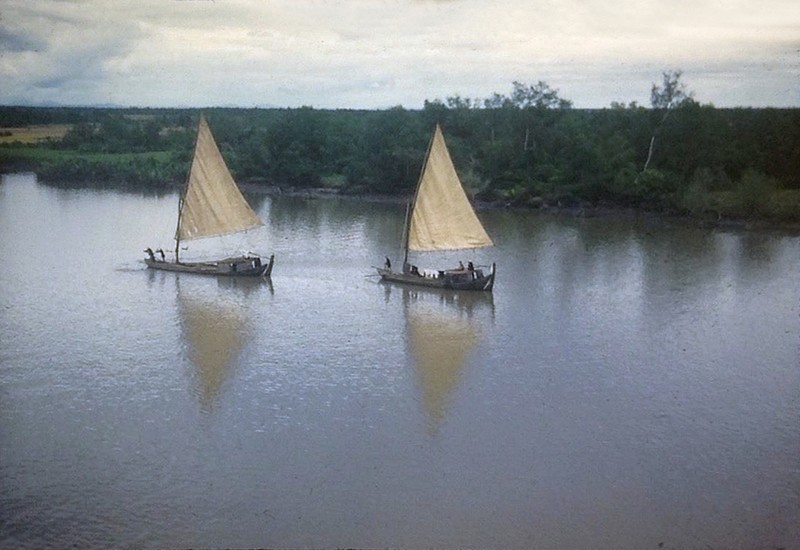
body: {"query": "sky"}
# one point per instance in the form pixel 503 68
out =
pixel 376 54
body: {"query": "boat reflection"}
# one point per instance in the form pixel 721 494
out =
pixel 443 330
pixel 244 286
pixel 466 303
pixel 247 286
pixel 214 328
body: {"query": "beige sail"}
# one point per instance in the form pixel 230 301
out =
pixel 442 216
pixel 440 344
pixel 213 204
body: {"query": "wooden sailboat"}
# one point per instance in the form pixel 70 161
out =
pixel 212 205
pixel 441 218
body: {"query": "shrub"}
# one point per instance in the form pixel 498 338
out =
pixel 755 194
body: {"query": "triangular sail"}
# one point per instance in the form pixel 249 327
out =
pixel 442 216
pixel 213 204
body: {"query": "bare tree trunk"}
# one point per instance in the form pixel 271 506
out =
pixel 529 144
pixel 649 152
pixel 653 140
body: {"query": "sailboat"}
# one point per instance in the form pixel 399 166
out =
pixel 212 205
pixel 441 218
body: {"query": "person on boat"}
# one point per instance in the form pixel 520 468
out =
pixel 461 265
pixel 414 270
pixel 470 266
pixel 161 251
pixel 388 264
pixel 150 253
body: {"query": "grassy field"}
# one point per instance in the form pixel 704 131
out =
pixel 33 134
pixel 39 154
pixel 155 169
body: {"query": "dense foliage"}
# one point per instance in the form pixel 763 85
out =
pixel 528 148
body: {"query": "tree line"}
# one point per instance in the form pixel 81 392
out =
pixel 529 147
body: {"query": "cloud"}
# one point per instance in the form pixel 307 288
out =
pixel 15 41
pixel 379 53
pixel 67 49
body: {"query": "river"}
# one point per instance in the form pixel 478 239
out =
pixel 632 382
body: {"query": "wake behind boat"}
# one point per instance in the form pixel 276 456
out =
pixel 212 205
pixel 441 218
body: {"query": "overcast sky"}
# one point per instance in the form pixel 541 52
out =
pixel 382 53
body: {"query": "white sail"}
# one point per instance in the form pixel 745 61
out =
pixel 213 204
pixel 442 217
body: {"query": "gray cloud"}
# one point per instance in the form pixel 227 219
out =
pixel 379 53
pixel 14 41
pixel 68 48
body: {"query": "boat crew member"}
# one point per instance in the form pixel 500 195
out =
pixel 388 263
pixel 150 253
pixel 161 251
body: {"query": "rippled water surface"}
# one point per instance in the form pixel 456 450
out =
pixel 630 383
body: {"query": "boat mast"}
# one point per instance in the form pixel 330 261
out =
pixel 406 228
pixel 178 230
pixel 182 198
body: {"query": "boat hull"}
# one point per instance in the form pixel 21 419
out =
pixel 242 266
pixel 456 279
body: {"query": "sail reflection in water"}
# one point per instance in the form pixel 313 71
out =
pixel 215 329
pixel 442 334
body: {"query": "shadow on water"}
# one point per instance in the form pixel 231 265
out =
pixel 147 191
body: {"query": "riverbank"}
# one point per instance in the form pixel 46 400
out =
pixel 717 219
pixel 581 210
